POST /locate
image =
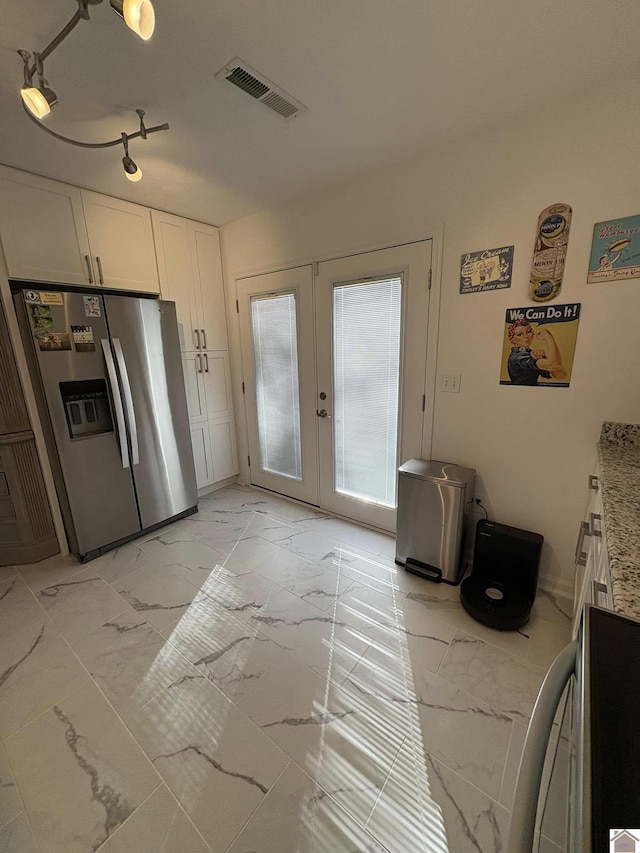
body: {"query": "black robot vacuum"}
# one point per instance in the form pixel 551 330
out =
pixel 501 588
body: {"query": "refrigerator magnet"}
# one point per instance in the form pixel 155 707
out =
pixel 41 317
pixel 47 298
pixel 83 338
pixel 50 341
pixel 92 306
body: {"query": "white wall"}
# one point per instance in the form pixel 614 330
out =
pixel 532 447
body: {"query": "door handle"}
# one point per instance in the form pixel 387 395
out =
pixel 197 334
pixel 206 363
pixel 581 556
pixel 100 273
pixel 199 357
pixel 89 270
pixel 204 339
pixel 593 482
pixel 596 531
pixel 128 400
pixel 598 589
pixel 323 413
pixel 117 401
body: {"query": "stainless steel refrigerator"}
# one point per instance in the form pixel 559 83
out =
pixel 107 373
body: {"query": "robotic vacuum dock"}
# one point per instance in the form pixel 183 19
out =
pixel 501 588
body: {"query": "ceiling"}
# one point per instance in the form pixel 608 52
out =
pixel 382 79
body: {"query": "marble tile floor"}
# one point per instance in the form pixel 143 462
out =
pixel 258 678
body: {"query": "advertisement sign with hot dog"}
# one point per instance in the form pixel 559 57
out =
pixel 615 250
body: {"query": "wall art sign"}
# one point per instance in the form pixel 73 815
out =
pixel 615 250
pixel 489 269
pixel 539 345
pixel 550 252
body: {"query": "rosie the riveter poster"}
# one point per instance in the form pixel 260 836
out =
pixel 539 344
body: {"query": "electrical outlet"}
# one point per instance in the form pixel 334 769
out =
pixel 450 382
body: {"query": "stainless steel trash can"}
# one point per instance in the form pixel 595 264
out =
pixel 432 497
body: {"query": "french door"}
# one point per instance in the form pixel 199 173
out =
pixel 334 369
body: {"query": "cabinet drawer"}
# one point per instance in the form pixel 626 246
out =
pixel 9 533
pixel 6 508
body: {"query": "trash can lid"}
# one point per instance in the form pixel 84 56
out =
pixel 445 472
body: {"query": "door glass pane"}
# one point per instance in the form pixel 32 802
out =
pixel 366 381
pixel 275 348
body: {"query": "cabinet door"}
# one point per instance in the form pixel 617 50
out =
pixel 217 382
pixel 223 448
pixel 205 251
pixel 201 444
pixel 43 230
pixel 121 240
pixel 177 280
pixel 194 383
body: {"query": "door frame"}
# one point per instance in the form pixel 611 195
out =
pixel 238 367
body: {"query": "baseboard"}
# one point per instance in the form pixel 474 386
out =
pixel 556 586
pixel 215 487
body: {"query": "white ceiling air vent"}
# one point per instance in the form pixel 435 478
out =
pixel 238 73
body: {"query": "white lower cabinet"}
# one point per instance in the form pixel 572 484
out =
pixel 201 443
pixel 592 579
pixel 208 386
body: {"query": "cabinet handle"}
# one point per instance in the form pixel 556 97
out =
pixel 204 339
pixel 197 334
pixel 199 357
pixel 581 556
pixel 593 482
pixel 598 589
pixel 206 363
pixel 100 274
pixel 595 531
pixel 89 270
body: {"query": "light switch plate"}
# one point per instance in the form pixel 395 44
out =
pixel 450 382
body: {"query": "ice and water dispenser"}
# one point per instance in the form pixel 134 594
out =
pixel 86 407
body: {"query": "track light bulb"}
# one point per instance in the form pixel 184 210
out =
pixel 131 170
pixel 40 101
pixel 138 15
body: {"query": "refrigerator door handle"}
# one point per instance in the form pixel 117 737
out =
pixel 523 816
pixel 117 402
pixel 128 401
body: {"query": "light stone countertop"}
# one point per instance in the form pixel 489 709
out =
pixel 619 456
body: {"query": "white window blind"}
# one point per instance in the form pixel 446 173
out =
pixel 366 375
pixel 275 347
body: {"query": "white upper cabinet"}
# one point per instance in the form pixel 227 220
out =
pixel 191 275
pixel 53 232
pixel 121 240
pixel 42 229
pixel 205 251
pixel 177 280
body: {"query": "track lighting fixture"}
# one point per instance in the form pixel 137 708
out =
pixel 131 169
pixel 138 15
pixel 38 100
